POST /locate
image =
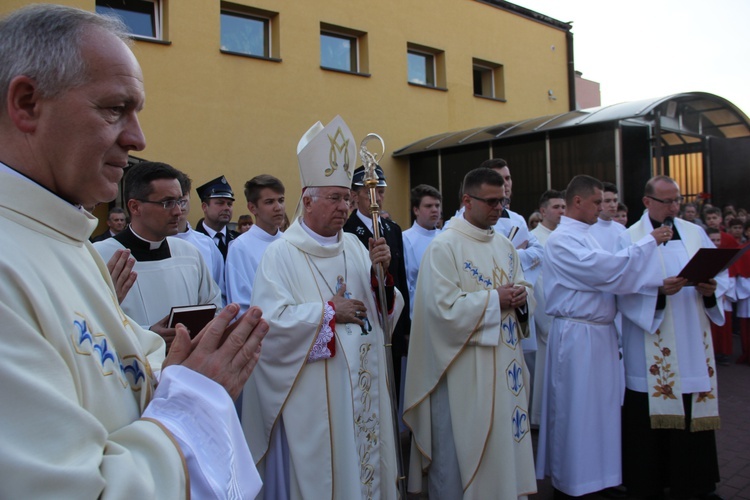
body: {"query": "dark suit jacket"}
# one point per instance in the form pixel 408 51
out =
pixel 230 236
pixel 392 234
pixel 101 237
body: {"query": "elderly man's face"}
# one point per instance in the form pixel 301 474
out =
pixel 116 222
pixel 326 213
pixel 665 202
pixel 82 137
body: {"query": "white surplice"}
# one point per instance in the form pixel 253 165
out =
pixel 243 257
pixel 542 324
pixel 606 233
pixel 416 239
pixel 579 439
pixel 181 280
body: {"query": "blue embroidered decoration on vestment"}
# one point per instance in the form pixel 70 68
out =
pixel 520 423
pixel 131 373
pixel 514 374
pixel 510 335
pixel 134 369
pixel 479 277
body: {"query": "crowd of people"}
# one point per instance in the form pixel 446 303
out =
pixel 337 333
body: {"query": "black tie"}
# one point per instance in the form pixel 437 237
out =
pixel 222 246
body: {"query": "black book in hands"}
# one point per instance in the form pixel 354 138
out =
pixel 193 317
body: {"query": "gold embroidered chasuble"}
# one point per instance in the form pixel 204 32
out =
pixel 336 412
pixel 460 335
pixel 76 373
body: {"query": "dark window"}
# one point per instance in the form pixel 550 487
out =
pixel 140 16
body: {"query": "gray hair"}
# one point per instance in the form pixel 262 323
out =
pixel 43 42
pixel 312 192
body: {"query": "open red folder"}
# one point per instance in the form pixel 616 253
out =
pixel 708 262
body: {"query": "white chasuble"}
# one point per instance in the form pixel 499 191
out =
pixel 336 412
pixel 462 339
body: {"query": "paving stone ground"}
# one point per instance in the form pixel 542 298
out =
pixel 733 439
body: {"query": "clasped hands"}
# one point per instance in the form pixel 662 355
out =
pixel 227 354
pixel 512 296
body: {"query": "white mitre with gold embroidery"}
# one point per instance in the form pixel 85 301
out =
pixel 327 155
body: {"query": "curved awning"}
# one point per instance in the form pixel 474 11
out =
pixel 682 118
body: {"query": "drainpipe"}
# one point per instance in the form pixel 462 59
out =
pixel 571 71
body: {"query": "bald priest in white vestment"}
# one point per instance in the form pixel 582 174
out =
pixel 466 398
pixel 317 412
pixel 671 405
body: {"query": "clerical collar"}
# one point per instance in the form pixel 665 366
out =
pixel 367 221
pixel 142 249
pixel 323 241
pixel 675 234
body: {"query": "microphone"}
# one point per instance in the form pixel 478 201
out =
pixel 668 222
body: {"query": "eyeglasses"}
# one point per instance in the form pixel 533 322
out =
pixel 677 200
pixel 491 202
pixel 335 199
pixel 168 204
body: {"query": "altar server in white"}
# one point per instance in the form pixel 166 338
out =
pixel 317 410
pixel 265 199
pixel 607 230
pixel 579 439
pixel 425 205
pixel 552 208
pixel 466 398
pixel 82 415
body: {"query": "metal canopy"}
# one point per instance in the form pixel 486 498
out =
pixel 683 119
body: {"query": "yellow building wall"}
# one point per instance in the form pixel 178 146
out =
pixel 209 113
